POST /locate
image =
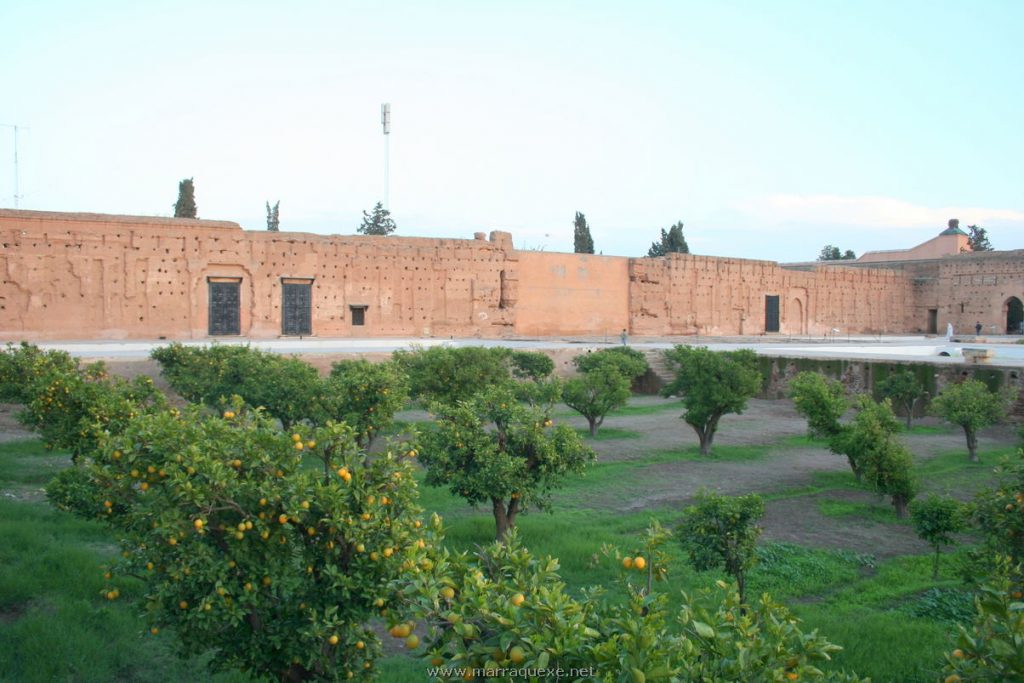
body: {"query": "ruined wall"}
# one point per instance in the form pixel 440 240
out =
pixel 967 289
pixel 686 294
pixel 572 294
pixel 68 276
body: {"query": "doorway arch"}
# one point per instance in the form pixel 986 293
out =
pixel 1014 310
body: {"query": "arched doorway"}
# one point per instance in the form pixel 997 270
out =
pixel 1014 315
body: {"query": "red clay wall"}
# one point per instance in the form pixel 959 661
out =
pixel 77 276
pixel 572 294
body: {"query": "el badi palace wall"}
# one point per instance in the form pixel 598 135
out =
pixel 90 276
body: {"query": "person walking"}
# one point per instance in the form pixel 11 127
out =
pixel 977 328
pixel 624 336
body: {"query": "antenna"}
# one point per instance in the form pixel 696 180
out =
pixel 16 129
pixel 385 122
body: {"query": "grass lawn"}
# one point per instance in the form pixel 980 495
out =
pixel 893 620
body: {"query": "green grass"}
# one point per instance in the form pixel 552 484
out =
pixel 878 512
pixel 608 434
pixel 892 618
pixel 627 410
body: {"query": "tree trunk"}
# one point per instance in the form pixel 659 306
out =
pixel 504 517
pixel 593 425
pixel 900 503
pixel 972 444
pixel 706 434
pixel 935 572
pixel 910 414
pixel 741 585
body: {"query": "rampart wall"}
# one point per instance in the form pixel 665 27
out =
pixel 91 276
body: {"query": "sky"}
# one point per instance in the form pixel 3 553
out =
pixel 768 128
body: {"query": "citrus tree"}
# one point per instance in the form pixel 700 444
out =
pixel 999 511
pixel 972 406
pixel 711 384
pixel 25 366
pixel 936 519
pixel 722 532
pixel 596 393
pixel 273 566
pixel 531 365
pixel 820 400
pixel 493 449
pixel 449 375
pixel 364 395
pixel 629 362
pixel 72 410
pixel 904 390
pixel 490 615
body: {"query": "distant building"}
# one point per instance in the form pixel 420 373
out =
pixel 950 241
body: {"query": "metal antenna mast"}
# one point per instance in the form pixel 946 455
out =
pixel 385 121
pixel 16 128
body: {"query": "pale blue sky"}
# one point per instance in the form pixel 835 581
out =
pixel 769 128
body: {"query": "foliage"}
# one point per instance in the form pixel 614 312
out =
pixel 992 649
pixel 596 393
pixel 582 241
pixel 671 242
pixel 185 207
pixel 819 399
pixel 630 363
pixel 903 389
pixel 491 448
pixel 274 567
pixel 504 608
pixel 364 395
pixel 73 411
pixel 935 520
pixel 711 384
pixel 25 367
pixel 532 365
pixel 722 532
pixel 378 223
pixel 274 216
pixel 289 388
pixel 832 253
pixel 448 375
pixel 972 406
pixel 999 511
pixel 977 238
pixel 869 444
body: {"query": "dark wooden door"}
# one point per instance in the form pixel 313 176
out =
pixel 225 308
pixel 297 309
pixel 771 313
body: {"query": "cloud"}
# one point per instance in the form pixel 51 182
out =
pixel 867 211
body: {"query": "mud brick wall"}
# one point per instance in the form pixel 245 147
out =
pixel 80 276
pixel 685 294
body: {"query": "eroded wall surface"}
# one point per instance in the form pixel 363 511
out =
pixel 90 276
pixel 78 276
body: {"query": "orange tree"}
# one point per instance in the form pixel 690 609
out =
pixel 936 519
pixel 971 405
pixel 25 366
pixel 72 410
pixel 289 388
pixel 490 615
pixel 491 448
pixel 274 566
pixel 711 384
pixel 821 401
pixel 364 395
pixel 449 375
pixel 722 532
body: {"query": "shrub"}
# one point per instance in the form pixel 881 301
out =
pixel 531 365
pixel 903 389
pixel 273 567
